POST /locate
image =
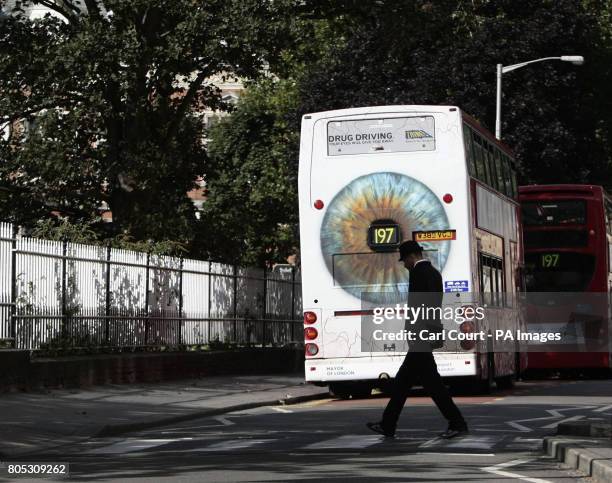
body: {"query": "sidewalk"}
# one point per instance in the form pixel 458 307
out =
pixel 32 422
pixel 584 446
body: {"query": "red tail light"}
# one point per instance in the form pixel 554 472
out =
pixel 310 333
pixel 310 317
pixel 311 349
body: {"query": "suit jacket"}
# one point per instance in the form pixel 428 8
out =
pixel 425 291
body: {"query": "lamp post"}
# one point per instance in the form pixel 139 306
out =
pixel 574 59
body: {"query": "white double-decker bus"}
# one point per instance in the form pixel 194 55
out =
pixel 370 178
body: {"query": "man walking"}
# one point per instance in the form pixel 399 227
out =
pixel 419 366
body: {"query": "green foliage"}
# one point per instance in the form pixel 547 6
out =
pixel 250 216
pixel 556 116
pixel 120 129
pixel 62 229
pixel 112 96
pixel 348 53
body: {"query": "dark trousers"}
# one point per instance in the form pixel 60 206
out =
pixel 420 368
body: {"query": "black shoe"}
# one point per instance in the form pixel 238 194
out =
pixel 380 429
pixel 454 432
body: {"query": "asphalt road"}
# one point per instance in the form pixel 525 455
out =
pixel 327 441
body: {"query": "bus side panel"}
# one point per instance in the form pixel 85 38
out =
pixel 496 253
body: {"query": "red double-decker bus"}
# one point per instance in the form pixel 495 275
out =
pixel 567 240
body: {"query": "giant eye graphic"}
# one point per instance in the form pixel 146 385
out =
pixel 379 276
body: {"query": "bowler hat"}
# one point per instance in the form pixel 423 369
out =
pixel 409 247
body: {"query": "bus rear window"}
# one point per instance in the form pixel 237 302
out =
pixel 558 271
pixel 567 212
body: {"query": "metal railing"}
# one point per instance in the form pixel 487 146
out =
pixel 69 295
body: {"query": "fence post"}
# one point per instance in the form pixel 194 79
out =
pixel 209 298
pixel 14 286
pixel 64 315
pixel 146 337
pixel 265 304
pixel 292 304
pixel 235 304
pixel 180 301
pixel 107 299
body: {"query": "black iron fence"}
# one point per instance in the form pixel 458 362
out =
pixel 66 295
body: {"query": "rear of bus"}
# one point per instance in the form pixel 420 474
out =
pixel 369 179
pixel 566 251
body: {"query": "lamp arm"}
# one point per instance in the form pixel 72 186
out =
pixel 510 68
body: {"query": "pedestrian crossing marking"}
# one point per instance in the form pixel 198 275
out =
pixel 233 444
pixel 348 441
pixel 466 442
pixel 132 445
pixel 479 443
pixel 472 442
pixel 519 443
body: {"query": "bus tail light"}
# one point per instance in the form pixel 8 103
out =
pixel 310 317
pixel 310 333
pixel 311 349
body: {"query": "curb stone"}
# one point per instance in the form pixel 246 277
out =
pixel 592 457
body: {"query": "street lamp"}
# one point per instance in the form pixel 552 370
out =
pixel 574 59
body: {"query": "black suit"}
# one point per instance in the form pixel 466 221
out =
pixel 425 292
pixel 419 366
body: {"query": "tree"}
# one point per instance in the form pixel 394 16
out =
pixel 556 116
pixel 251 173
pixel 112 90
pixel 251 214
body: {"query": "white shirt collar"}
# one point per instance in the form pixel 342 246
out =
pixel 419 261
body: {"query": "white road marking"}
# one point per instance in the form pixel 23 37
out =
pixel 131 445
pixel 454 454
pixel 566 420
pixel 518 426
pixel 602 409
pixel 575 408
pixel 281 410
pixel 224 421
pixel 233 444
pixel 554 413
pixel 472 442
pixel 520 443
pixel 430 443
pixel 348 441
pixel 499 471
pixel 467 442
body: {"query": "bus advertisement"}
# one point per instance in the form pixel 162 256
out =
pixel 370 178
